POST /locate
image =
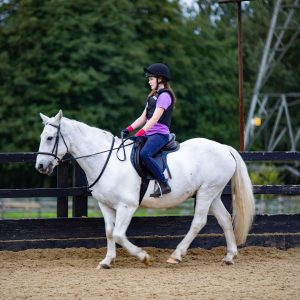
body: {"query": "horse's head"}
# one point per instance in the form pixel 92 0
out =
pixel 52 145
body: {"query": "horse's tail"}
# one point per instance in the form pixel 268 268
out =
pixel 242 198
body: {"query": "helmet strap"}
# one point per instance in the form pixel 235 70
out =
pixel 158 83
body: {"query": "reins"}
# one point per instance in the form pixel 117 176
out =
pixel 55 150
pixel 105 164
pixel 122 146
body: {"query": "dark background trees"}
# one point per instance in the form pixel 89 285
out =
pixel 87 59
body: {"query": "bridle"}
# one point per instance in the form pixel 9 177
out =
pixel 55 151
pixel 55 146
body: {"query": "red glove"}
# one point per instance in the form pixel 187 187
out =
pixel 130 128
pixel 141 132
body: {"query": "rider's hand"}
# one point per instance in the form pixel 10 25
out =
pixel 126 131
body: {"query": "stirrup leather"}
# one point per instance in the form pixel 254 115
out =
pixel 160 190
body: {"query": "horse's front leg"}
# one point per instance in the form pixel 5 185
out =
pixel 109 215
pixel 123 219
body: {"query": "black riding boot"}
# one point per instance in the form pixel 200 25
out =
pixel 163 188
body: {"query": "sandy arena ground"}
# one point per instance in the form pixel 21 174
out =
pixel 258 273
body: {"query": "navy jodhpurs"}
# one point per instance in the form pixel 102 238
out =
pixel 152 146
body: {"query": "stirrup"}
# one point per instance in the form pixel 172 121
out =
pixel 160 191
pixel 154 194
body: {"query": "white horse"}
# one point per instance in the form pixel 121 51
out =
pixel 201 167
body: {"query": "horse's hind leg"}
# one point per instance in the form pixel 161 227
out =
pixel 224 219
pixel 109 218
pixel 204 199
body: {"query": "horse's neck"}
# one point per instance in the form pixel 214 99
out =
pixel 86 140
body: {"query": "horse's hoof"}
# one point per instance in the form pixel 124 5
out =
pixel 104 266
pixel 173 261
pixel 227 262
pixel 146 260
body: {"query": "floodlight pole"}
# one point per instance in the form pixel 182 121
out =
pixel 241 67
pixel 241 76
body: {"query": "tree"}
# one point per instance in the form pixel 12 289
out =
pixel 87 58
pixel 81 58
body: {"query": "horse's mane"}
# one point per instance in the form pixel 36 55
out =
pixel 80 126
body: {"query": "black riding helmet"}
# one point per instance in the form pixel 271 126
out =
pixel 158 69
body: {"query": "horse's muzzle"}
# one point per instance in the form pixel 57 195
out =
pixel 44 168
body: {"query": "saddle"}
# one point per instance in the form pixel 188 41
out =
pixel 160 158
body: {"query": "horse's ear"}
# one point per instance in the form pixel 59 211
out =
pixel 44 118
pixel 58 117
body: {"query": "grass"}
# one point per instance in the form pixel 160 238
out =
pixel 141 212
pixel 182 210
pixel 289 205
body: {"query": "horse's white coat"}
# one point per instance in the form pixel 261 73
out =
pixel 201 167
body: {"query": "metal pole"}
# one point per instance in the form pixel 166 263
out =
pixel 241 76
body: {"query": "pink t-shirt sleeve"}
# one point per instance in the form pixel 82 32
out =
pixel 164 100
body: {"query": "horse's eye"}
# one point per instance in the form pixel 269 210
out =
pixel 49 138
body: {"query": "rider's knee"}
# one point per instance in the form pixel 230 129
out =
pixel 144 155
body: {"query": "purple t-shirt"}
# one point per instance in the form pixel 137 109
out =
pixel 164 101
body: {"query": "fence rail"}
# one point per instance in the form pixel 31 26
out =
pixel 79 192
pixel 280 231
pixel 247 155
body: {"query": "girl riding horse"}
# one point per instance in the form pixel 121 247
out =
pixel 156 121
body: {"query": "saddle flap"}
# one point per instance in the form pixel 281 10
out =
pixel 135 156
pixel 160 157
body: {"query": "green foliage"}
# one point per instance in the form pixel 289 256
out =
pixel 88 61
pixel 87 58
pixel 265 174
pixel 81 58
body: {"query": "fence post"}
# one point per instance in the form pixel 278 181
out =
pixel 62 182
pixel 80 203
